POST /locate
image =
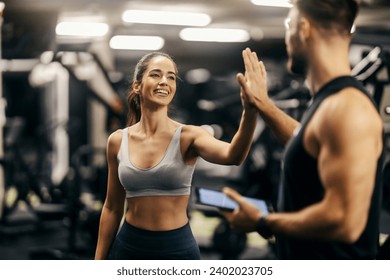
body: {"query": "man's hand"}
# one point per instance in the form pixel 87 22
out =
pixel 246 216
pixel 254 82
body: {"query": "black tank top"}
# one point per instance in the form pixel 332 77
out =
pixel 301 187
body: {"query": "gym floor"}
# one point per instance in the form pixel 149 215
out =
pixel 25 236
pixel 55 240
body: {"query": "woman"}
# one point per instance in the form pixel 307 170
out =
pixel 150 165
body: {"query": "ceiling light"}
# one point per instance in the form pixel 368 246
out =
pixel 353 28
pixel 198 76
pixel 82 29
pixel 122 42
pixel 214 35
pixel 169 18
pixel 273 3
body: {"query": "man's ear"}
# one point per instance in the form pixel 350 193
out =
pixel 304 28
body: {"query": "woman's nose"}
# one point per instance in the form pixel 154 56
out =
pixel 163 80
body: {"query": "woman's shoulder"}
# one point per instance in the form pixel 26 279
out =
pixel 195 131
pixel 117 134
pixel 195 128
pixel 115 138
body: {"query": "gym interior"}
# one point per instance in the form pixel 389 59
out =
pixel 62 94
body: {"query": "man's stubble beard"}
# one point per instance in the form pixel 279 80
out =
pixel 298 64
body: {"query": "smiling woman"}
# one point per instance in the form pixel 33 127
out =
pixel 151 163
pixel 134 97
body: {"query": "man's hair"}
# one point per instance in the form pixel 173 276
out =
pixel 330 14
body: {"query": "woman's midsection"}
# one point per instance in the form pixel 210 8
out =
pixel 157 212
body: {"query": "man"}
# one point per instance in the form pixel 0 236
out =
pixel 329 198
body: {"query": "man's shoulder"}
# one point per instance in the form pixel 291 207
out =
pixel 349 100
pixel 349 110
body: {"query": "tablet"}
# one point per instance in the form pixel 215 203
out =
pixel 222 201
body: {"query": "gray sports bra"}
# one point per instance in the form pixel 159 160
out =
pixel 171 176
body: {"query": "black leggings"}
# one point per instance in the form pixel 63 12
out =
pixel 133 243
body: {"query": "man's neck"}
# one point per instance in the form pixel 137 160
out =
pixel 328 61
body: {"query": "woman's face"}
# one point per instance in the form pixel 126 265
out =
pixel 158 84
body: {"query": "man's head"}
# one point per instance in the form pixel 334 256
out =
pixel 335 15
pixel 327 17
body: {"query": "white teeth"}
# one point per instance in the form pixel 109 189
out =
pixel 161 91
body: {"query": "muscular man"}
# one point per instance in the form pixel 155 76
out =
pixel 329 198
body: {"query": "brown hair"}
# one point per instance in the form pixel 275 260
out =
pixel 338 14
pixel 133 98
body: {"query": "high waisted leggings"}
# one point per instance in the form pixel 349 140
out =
pixel 133 243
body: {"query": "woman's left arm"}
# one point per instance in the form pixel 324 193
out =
pixel 220 152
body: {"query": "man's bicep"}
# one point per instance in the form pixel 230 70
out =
pixel 347 167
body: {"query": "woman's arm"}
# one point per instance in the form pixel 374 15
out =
pixel 113 207
pixel 220 152
pixel 235 152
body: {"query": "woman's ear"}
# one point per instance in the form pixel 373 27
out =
pixel 136 87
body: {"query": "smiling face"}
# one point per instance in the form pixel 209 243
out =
pixel 158 85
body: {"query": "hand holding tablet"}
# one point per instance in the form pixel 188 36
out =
pixel 220 200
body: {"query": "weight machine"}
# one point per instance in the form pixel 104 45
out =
pixel 2 117
pixel 60 180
